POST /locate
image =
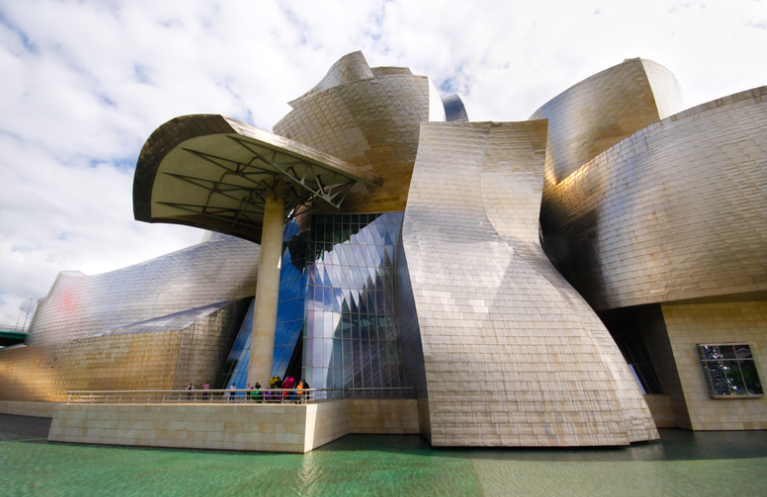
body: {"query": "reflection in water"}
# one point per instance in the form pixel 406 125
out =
pixel 682 463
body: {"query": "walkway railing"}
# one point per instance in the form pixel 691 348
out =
pixel 234 397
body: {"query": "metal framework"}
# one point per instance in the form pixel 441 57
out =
pixel 219 178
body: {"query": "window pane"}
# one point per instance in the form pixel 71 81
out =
pixel 717 378
pixel 709 352
pixel 742 352
pixel 734 378
pixel 751 378
pixel 727 352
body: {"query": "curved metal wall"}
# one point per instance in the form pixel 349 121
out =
pixel 371 122
pixel 164 353
pixel 512 355
pixel 79 306
pixel 600 111
pixel 676 211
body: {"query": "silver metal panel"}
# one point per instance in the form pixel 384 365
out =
pixel 369 118
pixel 676 211
pixel 600 111
pixel 79 306
pixel 512 356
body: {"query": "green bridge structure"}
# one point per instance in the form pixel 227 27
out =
pixel 11 335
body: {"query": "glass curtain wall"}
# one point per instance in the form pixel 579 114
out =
pixel 351 339
pixel 337 290
pixel 290 316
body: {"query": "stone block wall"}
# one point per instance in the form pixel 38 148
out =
pixel 718 323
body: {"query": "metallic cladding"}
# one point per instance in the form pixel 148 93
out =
pixel 677 211
pixel 158 324
pixel 137 360
pixel 600 111
pixel 371 122
pixel 512 355
pixel 80 306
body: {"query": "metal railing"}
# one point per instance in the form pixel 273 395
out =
pixel 233 396
pixel 13 328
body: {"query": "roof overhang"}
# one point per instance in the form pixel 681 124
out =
pixel 213 172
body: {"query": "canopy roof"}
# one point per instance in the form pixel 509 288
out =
pixel 213 172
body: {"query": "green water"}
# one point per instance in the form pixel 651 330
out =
pixel 682 463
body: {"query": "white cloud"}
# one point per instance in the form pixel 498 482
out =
pixel 85 83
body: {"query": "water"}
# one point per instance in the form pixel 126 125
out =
pixel 682 464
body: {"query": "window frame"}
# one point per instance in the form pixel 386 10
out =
pixel 705 362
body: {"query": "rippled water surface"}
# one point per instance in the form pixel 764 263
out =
pixel 682 463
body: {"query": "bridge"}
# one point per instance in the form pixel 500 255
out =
pixel 11 335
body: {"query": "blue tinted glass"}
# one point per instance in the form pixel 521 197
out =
pixel 342 301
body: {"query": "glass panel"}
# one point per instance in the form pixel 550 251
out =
pixel 338 378
pixel 751 377
pixel 734 377
pixel 362 299
pixel 338 354
pixel 717 378
pixel 742 352
pixel 347 346
pixel 727 352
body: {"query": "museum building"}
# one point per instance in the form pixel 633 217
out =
pixel 581 278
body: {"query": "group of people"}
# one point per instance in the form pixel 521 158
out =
pixel 190 387
pixel 257 394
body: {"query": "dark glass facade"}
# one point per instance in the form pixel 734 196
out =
pixel 337 290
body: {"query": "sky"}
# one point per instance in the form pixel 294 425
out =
pixel 84 83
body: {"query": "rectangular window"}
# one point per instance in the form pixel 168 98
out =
pixel 730 370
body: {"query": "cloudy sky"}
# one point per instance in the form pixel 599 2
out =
pixel 84 83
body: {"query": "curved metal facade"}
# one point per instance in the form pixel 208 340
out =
pixel 369 118
pixel 674 212
pixel 79 306
pixel 159 324
pixel 602 110
pixel 638 206
pixel 512 355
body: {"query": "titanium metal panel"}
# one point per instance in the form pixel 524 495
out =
pixel 369 118
pixel 674 212
pixel 512 355
pixel 603 109
pixel 78 306
pixel 163 353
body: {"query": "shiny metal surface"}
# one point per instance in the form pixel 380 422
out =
pixel 217 173
pixel 80 306
pixel 165 353
pixel 512 356
pixel 605 108
pixel 677 211
pixel 158 324
pixel 641 205
pixel 369 118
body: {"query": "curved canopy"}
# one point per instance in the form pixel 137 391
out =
pixel 213 172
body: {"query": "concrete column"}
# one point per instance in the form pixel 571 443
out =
pixel 267 293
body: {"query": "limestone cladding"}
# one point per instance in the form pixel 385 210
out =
pixel 718 323
pixel 24 408
pixel 512 355
pixel 257 427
